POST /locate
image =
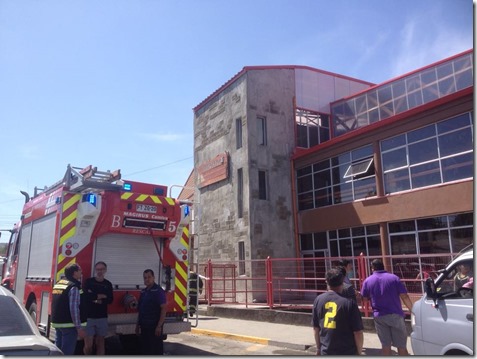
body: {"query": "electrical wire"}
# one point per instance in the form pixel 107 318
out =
pixel 164 165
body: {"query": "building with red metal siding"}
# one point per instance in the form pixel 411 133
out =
pixel 319 164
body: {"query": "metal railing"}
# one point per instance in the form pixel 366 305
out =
pixel 293 283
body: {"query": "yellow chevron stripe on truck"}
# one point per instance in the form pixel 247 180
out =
pixel 69 214
pixel 137 197
pixel 182 264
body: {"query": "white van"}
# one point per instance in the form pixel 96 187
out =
pixel 443 319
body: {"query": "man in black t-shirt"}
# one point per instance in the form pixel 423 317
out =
pixel 99 292
pixel 337 324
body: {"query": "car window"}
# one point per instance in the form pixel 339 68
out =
pixel 460 276
pixel 13 321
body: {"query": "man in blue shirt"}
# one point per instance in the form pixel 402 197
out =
pixel 152 306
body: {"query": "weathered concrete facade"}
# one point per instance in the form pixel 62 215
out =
pixel 266 225
pixel 256 97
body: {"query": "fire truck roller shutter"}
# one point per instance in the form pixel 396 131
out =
pixel 127 256
pixel 43 235
pixel 23 257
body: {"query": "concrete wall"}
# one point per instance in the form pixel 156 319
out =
pixel 219 229
pixel 267 225
pixel 270 96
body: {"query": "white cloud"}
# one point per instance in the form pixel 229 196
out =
pixel 439 43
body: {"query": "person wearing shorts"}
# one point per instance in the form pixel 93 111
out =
pixel 336 321
pixel 99 292
pixel 385 290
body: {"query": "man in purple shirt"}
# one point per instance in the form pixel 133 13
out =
pixel 386 291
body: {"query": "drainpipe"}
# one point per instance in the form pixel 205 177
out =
pixel 293 189
pixel 295 210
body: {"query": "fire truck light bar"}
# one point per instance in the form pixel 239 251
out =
pixel 144 223
pixel 90 198
pixel 158 191
pixel 127 186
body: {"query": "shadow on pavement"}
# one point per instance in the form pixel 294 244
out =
pixel 181 349
pixel 372 351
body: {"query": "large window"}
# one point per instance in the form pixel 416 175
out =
pixel 351 242
pixel 312 128
pixel 347 242
pixel 444 234
pixel 438 153
pixel 344 178
pixel 402 94
pixel 418 239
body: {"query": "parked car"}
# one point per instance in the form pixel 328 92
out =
pixel 19 335
pixel 443 319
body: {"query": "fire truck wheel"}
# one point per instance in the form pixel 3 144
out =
pixel 32 311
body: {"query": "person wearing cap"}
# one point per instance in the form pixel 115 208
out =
pixel 336 320
pixel 68 313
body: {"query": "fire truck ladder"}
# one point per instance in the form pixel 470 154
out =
pixel 78 179
pixel 194 243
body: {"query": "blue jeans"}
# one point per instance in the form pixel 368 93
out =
pixel 66 340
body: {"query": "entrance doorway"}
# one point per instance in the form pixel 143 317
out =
pixel 315 265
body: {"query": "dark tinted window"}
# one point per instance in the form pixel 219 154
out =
pixel 12 321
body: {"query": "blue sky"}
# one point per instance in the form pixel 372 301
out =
pixel 112 83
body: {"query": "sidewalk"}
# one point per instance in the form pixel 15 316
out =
pixel 290 336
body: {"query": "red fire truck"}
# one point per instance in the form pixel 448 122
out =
pixel 90 216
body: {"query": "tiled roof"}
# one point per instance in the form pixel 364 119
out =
pixel 187 193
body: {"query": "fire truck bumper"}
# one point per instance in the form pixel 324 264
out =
pixel 126 324
pixel 176 327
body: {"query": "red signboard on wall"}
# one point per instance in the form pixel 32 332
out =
pixel 214 170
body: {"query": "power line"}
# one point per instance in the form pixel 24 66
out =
pixel 164 165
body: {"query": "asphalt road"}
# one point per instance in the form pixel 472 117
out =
pixel 194 344
pixel 197 344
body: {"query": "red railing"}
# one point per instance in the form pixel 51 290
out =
pixel 293 283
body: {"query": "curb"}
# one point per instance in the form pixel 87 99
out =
pixel 249 339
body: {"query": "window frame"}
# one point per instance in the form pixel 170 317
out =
pixel 441 162
pixel 240 192
pixel 356 164
pixel 262 185
pixel 262 131
pixel 238 133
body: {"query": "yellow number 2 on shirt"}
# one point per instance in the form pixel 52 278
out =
pixel 330 315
